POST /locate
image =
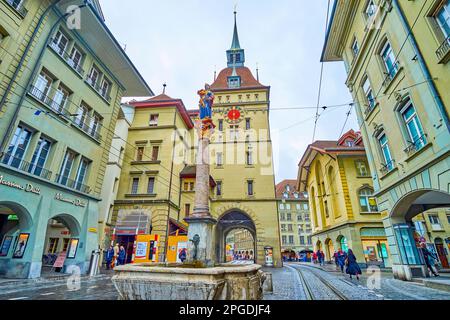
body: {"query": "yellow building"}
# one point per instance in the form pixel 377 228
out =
pixel 344 213
pixel 396 54
pixel 242 176
pixel 294 219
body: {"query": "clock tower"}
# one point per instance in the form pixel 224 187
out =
pixel 241 159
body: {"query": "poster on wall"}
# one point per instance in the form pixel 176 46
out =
pixel 269 256
pixel 181 251
pixel 6 244
pixel 141 250
pixel 21 245
pixel 73 246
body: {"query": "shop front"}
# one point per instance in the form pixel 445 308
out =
pixel 375 247
pixel 42 223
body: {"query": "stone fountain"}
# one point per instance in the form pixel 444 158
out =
pixel 200 277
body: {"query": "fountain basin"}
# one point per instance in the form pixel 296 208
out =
pixel 146 281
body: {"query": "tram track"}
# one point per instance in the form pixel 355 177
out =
pixel 310 291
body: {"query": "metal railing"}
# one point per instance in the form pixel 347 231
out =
pixel 66 57
pixel 46 98
pixel 96 86
pixel 18 6
pixel 72 184
pixel 443 49
pixel 415 146
pixel 387 167
pixel 22 165
pixel 88 129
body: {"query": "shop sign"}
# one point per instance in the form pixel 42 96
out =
pixel 27 187
pixel 93 230
pixel 75 202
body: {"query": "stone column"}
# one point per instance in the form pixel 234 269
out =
pixel 201 244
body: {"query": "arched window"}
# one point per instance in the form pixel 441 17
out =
pixel 367 201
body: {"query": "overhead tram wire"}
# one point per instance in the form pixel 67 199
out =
pixel 321 76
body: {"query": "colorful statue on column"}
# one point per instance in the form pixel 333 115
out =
pixel 205 106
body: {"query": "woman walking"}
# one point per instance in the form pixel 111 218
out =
pixel 353 268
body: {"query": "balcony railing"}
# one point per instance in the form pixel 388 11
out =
pixel 46 98
pixel 72 184
pixel 443 51
pixel 22 165
pixel 18 6
pixel 387 167
pixel 88 129
pixel 96 86
pixel 66 57
pixel 416 145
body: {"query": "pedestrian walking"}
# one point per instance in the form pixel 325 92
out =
pixel 116 254
pixel 322 255
pixel 353 268
pixel 109 257
pixel 121 256
pixel 341 258
pixel 430 260
pixel 335 258
pixel 314 257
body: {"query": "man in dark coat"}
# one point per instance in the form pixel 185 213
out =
pixel 109 257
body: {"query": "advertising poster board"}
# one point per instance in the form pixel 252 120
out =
pixel 141 250
pixel 59 263
pixel 182 246
pixel 73 247
pixel 6 244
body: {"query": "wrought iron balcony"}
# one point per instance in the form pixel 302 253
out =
pixel 443 52
pixel 94 132
pixel 66 57
pixel 46 98
pixel 388 167
pixel 22 165
pixel 415 146
pixel 96 86
pixel 18 6
pixel 72 184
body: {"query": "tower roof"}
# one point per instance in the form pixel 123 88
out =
pixel 235 45
pixel 247 79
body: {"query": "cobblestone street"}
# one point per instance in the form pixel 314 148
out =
pixel 294 281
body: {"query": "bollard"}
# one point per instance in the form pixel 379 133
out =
pixel 93 267
pixel 268 284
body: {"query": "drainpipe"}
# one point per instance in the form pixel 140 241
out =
pixel 35 68
pixel 423 66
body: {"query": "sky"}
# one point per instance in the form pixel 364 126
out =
pixel 182 42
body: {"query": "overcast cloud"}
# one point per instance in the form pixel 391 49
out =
pixel 181 42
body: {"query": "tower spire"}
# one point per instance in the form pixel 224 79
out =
pixel 235 56
pixel 235 45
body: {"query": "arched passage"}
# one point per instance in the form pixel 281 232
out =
pixel 16 229
pixel 62 237
pixel 409 235
pixel 234 220
pixel 329 249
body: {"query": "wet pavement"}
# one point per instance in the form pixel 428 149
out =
pixel 295 281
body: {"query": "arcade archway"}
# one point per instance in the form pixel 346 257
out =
pixel 417 224
pixel 61 239
pixel 236 225
pixel 16 228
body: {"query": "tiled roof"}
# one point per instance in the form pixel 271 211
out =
pixel 161 97
pixel 247 79
pixel 280 190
